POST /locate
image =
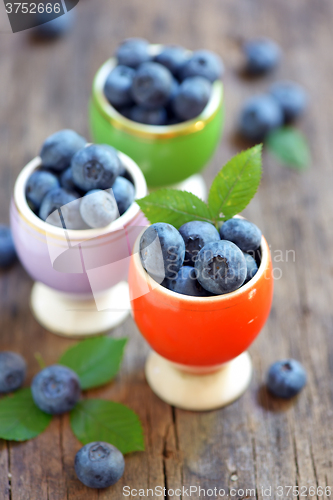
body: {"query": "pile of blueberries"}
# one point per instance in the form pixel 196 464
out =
pixel 285 101
pixel 169 88
pixel 56 390
pixel 198 260
pixel 88 184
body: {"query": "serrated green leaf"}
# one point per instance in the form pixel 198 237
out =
pixel 174 207
pixel 96 361
pixel 290 146
pixel 235 185
pixel 20 419
pixel 114 423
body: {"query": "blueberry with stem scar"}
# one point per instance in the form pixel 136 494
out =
pixel 99 465
pixel 221 267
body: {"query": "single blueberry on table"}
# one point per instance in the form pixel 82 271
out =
pixel 99 465
pixel 55 199
pixel 156 116
pixel 262 55
pixel 38 185
pixel 152 85
pixel 95 167
pixel 186 283
pixel 117 88
pixel 251 267
pixel 203 63
pixel 7 248
pixel 196 234
pixel 291 97
pixel 221 267
pixel 56 389
pixel 56 27
pixel 173 57
pixel 162 251
pixel 260 115
pixel 98 208
pixel 124 193
pixel 13 370
pixel 59 149
pixel 286 378
pixel 133 52
pixel 192 97
pixel 245 234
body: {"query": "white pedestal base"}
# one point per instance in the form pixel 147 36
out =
pixel 74 316
pixel 194 184
pixel 198 392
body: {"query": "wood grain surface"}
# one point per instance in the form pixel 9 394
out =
pixel 257 441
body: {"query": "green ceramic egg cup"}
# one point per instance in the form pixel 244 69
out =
pixel 166 155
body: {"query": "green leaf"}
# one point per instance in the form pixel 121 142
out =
pixel 96 361
pixel 114 423
pixel 174 207
pixel 20 419
pixel 290 146
pixel 235 185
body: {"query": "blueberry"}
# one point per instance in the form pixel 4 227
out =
pixel 124 193
pixel 7 249
pixel 291 97
pixel 162 251
pixel 118 86
pixel 196 235
pixel 251 267
pixel 133 52
pixel 98 208
pixel 203 63
pixel 13 370
pixel 56 27
pixel 172 57
pixel 262 55
pixel 125 111
pixel 59 149
pixel 99 465
pixel 56 389
pixel 260 114
pixel 186 283
pixel 38 185
pixel 192 97
pixel 70 216
pixel 95 167
pixel 122 169
pixel 245 234
pixel 173 93
pixel 55 199
pixel 286 378
pixel 66 180
pixel 156 116
pixel 152 85
pixel 221 267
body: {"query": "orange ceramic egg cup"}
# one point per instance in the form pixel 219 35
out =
pixel 199 359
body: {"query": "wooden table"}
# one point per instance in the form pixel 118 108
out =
pixel 257 441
